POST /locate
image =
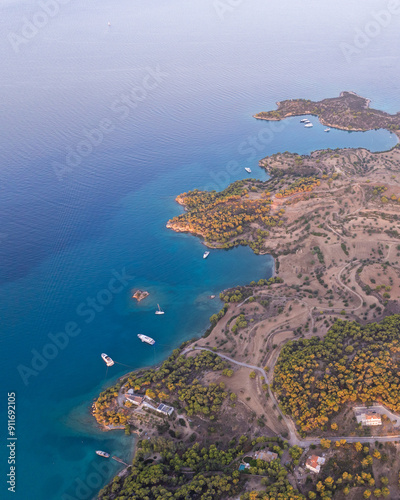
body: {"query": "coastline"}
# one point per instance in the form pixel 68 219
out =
pixel 293 262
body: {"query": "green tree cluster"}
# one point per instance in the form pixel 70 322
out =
pixel 314 377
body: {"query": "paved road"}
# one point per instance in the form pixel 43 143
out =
pixel 294 438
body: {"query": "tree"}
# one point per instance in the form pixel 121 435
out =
pixel 367 494
pixel 329 482
pixel 252 374
pixel 334 426
pixel 295 452
pixel 358 446
pixel 325 443
pixel 385 492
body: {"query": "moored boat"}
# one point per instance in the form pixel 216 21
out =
pixel 327 130
pixel 308 125
pixel 103 454
pixel 248 169
pixel 206 254
pixel 146 339
pixel 108 361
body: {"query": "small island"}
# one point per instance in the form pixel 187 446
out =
pixel 140 295
pixel 293 392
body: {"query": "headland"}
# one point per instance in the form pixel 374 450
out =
pixel 349 111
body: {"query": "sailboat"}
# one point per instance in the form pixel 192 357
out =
pixel 159 310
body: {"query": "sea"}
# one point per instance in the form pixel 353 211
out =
pixel 108 111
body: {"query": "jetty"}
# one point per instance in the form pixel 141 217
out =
pixel 117 459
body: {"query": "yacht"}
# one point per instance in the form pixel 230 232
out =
pixel 304 120
pixel 206 254
pixel 145 338
pixel 327 130
pixel 248 169
pixel 108 361
pixel 159 310
pixel 308 125
pixel 103 454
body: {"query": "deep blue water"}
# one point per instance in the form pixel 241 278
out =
pixel 66 229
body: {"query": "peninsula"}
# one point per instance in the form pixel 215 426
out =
pixel 294 390
pixel 349 111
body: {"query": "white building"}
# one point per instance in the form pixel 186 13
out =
pixel 314 463
pixel 134 398
pixel 164 409
pixel 369 418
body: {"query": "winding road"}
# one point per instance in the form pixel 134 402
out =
pixel 339 276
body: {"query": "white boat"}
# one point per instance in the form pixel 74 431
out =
pixel 108 361
pixel 103 454
pixel 308 125
pixel 327 130
pixel 304 120
pixel 159 310
pixel 145 338
pixel 248 169
pixel 109 24
pixel 206 254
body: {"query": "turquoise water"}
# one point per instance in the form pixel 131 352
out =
pixel 63 238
